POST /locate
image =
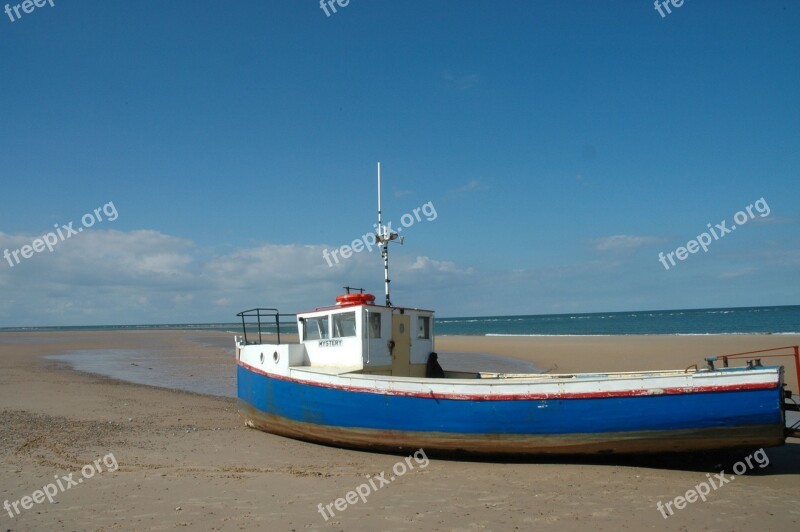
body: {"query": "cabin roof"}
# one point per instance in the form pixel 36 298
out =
pixel 340 307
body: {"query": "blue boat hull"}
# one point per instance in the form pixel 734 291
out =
pixel 626 424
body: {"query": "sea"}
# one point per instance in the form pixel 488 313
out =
pixel 737 320
pixel 734 320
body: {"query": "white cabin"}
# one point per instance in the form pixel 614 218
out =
pixel 353 336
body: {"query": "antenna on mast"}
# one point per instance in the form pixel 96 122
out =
pixel 384 236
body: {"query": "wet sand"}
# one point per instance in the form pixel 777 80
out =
pixel 185 460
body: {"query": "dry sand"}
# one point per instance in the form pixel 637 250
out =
pixel 568 354
pixel 186 461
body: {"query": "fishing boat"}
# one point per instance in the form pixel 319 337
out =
pixel 365 375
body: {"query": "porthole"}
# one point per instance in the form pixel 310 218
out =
pixel 275 357
pixel 262 358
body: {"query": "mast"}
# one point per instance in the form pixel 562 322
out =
pixel 384 236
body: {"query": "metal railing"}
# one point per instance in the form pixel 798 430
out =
pixel 795 353
pixel 756 361
pixel 266 313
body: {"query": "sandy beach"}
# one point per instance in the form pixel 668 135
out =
pixel 162 459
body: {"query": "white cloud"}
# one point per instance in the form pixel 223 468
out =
pixel 737 273
pixel 460 82
pixel 623 242
pixel 117 277
pixel 471 185
pixel 428 265
pixel 772 220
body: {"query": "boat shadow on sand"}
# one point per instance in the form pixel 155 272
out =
pixel 783 460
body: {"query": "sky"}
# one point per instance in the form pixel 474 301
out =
pixel 215 151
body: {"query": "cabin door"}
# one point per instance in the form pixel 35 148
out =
pixel 401 335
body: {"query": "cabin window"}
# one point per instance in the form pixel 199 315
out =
pixel 344 324
pixel 316 328
pixel 373 325
pixel 424 327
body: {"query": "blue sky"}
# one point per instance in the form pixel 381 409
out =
pixel 563 145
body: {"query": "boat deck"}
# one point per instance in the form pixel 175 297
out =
pixel 355 371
